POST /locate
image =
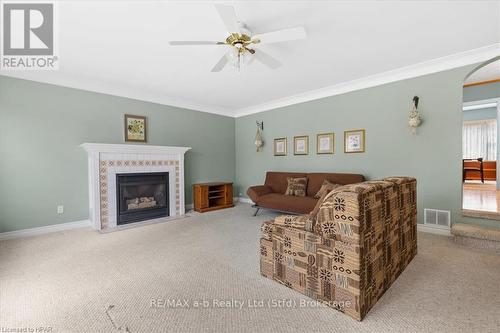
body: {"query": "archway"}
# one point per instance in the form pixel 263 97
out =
pixel 481 141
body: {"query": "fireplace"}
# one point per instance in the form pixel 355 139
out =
pixel 141 196
pixel 105 161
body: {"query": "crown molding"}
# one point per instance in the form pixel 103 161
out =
pixel 114 89
pixel 427 67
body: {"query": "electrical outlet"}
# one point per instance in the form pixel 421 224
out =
pixel 60 209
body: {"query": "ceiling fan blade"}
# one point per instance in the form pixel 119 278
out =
pixel 281 35
pixel 220 64
pixel 194 42
pixel 228 16
pixel 267 59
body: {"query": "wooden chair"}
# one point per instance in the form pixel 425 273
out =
pixel 472 167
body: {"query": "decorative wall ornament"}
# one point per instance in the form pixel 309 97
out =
pixel 415 119
pixel 259 142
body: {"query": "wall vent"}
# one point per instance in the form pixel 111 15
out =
pixel 437 218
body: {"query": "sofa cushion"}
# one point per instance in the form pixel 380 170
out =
pixel 326 188
pixel 287 203
pixel 277 181
pixel 315 180
pixel 296 186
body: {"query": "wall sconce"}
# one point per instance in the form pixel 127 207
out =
pixel 415 119
pixel 259 142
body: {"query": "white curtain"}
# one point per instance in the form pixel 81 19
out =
pixel 479 139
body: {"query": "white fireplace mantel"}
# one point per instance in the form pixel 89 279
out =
pixel 138 149
pixel 107 160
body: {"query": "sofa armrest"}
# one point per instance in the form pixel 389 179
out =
pixel 254 192
pixel 300 222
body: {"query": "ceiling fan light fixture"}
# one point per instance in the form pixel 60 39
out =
pixel 239 57
pixel 240 41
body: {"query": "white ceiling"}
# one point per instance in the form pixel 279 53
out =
pixel 121 48
pixel 485 73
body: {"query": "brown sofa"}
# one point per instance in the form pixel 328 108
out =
pixel 271 195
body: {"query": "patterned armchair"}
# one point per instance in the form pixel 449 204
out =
pixel 349 254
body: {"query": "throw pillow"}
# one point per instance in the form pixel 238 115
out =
pixel 326 188
pixel 315 211
pixel 296 186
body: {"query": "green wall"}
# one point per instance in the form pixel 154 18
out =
pixel 41 127
pixel 41 166
pixel 480 114
pixel 485 91
pixel 433 156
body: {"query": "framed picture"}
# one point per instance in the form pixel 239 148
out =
pixel 301 145
pixel 280 147
pixel 325 143
pixel 354 141
pixel 135 128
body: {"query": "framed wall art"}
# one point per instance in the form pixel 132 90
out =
pixel 325 143
pixel 354 141
pixel 280 147
pixel 301 145
pixel 135 128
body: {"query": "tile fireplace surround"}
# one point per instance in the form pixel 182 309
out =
pixel 107 160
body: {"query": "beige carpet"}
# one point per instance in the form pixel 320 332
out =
pixel 68 280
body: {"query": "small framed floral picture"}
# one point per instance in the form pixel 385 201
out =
pixel 135 128
pixel 280 147
pixel 325 143
pixel 301 145
pixel 354 141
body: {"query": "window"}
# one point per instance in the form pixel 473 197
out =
pixel 479 139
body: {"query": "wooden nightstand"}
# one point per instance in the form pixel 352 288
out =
pixel 212 196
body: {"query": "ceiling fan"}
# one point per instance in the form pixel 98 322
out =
pixel 242 41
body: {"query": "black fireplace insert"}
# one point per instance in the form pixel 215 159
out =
pixel 141 196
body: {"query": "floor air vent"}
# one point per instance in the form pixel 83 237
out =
pixel 437 218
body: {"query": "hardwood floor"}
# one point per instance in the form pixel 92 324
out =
pixel 481 200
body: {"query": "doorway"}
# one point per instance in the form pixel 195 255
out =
pixel 480 143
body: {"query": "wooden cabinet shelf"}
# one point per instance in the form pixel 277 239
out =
pixel 212 196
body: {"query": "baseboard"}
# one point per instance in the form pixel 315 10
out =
pixel 420 227
pixel 245 200
pixel 44 230
pixel 433 230
pixel 235 200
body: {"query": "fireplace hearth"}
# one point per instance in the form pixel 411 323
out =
pixel 141 196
